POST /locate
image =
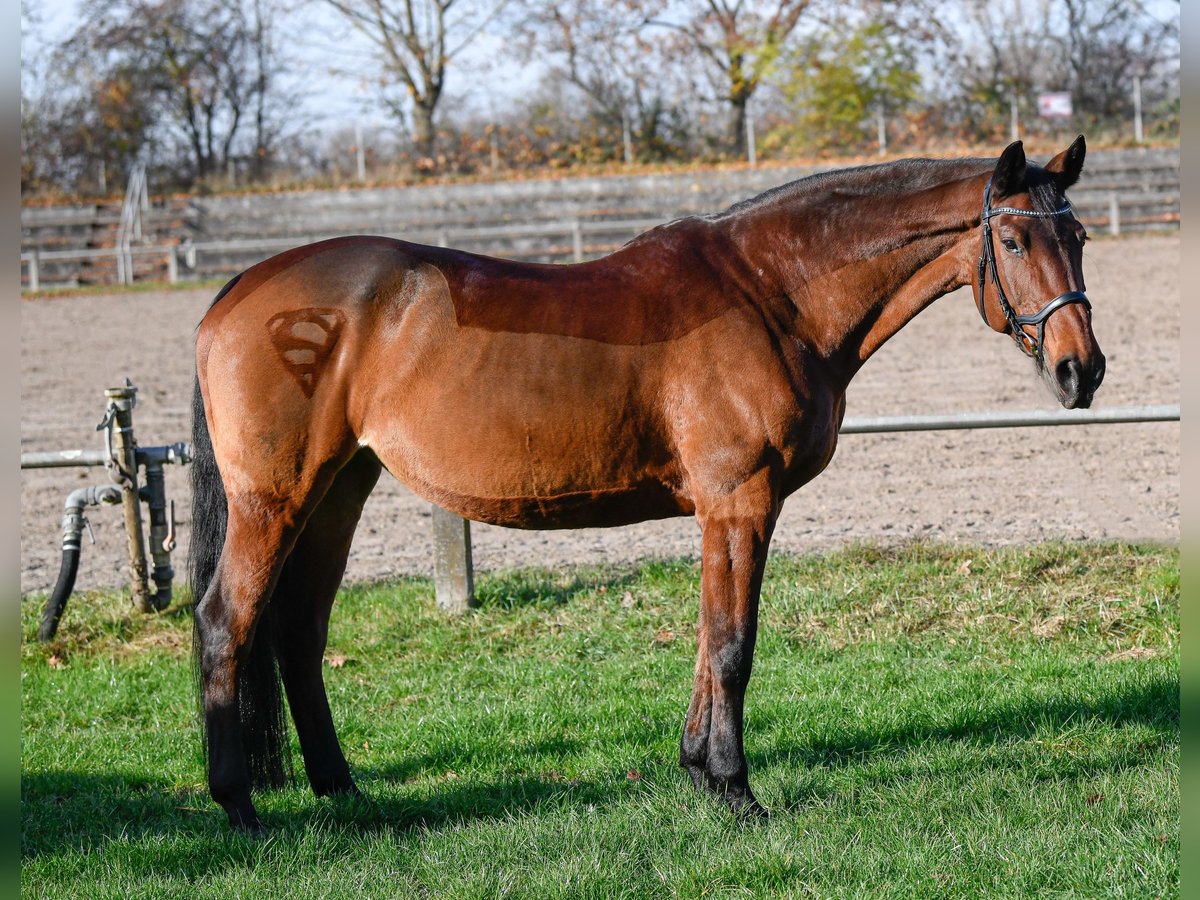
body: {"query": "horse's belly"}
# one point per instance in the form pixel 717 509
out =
pixel 526 476
pixel 525 431
pixel 585 509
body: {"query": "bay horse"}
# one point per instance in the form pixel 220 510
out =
pixel 700 369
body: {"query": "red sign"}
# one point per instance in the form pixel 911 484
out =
pixel 1054 106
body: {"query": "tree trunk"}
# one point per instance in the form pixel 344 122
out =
pixel 737 124
pixel 424 137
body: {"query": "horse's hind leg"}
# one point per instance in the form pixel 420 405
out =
pixel 236 641
pixel 257 540
pixel 301 606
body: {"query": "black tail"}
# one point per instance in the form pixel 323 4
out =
pixel 260 695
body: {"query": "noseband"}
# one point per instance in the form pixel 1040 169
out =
pixel 987 259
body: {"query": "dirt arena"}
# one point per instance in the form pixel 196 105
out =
pixel 994 487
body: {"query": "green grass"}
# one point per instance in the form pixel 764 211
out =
pixel 923 721
pixel 138 287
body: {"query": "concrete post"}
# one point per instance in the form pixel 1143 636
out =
pixel 1137 110
pixel 1114 214
pixel 360 155
pixel 576 241
pixel 751 149
pixel 453 576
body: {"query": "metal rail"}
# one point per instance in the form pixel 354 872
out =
pixel 54 459
pixel 130 227
pixel 454 576
pixel 1015 419
pixel 454 581
pixel 63 459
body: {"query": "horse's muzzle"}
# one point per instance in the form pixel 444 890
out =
pixel 1076 382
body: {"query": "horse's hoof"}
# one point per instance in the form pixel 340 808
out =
pixel 737 798
pixel 250 826
pixel 354 801
pixel 253 829
pixel 698 778
pixel 341 789
pixel 750 812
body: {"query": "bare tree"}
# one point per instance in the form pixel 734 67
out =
pixel 741 40
pixel 612 55
pixel 1020 41
pixel 416 41
pixel 1093 48
pixel 189 71
pixel 1107 43
pixel 268 96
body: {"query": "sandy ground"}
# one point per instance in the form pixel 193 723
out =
pixel 995 487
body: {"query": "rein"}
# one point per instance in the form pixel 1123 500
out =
pixel 987 259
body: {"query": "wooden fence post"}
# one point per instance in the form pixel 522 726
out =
pixel 453 577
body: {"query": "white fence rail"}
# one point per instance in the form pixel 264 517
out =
pixel 1098 210
pixel 1015 419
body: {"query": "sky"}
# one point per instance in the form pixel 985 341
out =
pixel 333 65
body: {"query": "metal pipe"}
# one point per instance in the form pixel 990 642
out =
pixel 72 529
pixel 122 456
pixel 178 454
pixel 123 469
pixel 162 539
pixel 55 459
pixel 1015 419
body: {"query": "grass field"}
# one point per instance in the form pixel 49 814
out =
pixel 922 721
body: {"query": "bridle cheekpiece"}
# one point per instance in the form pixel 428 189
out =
pixel 987 259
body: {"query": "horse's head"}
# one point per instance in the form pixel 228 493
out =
pixel 1030 276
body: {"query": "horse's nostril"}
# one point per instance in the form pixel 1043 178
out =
pixel 1068 373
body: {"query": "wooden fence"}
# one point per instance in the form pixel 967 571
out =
pixel 570 240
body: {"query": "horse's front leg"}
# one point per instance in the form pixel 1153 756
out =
pixel 736 533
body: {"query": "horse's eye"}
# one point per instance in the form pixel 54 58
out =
pixel 1012 246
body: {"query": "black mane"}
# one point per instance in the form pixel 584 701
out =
pixel 903 176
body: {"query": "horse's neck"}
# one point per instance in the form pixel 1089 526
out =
pixel 859 269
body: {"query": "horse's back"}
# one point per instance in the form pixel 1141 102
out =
pixel 525 395
pixel 360 342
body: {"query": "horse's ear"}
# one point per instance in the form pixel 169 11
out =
pixel 1067 165
pixel 1009 176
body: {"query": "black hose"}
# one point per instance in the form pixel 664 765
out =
pixel 72 530
pixel 58 598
